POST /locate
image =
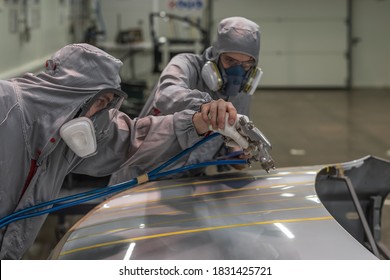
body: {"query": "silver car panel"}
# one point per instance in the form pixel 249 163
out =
pixel 246 215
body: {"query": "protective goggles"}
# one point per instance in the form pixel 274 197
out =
pixel 106 99
pixel 230 62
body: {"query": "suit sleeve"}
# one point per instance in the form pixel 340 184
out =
pixel 142 143
pixel 178 88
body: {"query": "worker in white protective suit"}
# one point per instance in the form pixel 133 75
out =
pixel 226 70
pixel 65 119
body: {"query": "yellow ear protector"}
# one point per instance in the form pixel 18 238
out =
pixel 252 81
pixel 213 78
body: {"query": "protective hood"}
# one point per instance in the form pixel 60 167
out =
pixel 236 34
pixel 73 77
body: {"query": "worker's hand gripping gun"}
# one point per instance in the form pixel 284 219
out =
pixel 253 142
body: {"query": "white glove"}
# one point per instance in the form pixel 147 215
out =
pixel 233 137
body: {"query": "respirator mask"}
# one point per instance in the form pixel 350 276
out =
pixel 234 77
pixel 80 134
pixel 231 81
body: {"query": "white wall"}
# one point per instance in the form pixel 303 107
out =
pixel 372 51
pixel 49 30
pixel 303 41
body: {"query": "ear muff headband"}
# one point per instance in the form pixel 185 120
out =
pixel 211 76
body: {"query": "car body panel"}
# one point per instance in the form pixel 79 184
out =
pixel 246 215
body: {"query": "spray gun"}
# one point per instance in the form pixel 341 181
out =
pixel 245 135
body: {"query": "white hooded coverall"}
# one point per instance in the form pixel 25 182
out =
pixel 34 160
pixel 181 87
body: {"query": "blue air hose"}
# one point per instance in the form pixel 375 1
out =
pixel 186 151
pixel 59 204
pixel 17 215
pixel 114 188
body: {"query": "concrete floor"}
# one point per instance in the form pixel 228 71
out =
pixel 305 127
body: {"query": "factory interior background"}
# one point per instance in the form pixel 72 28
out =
pixel 323 98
